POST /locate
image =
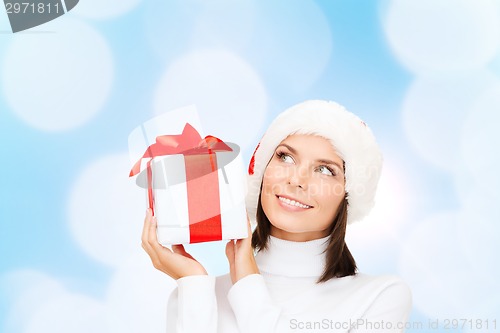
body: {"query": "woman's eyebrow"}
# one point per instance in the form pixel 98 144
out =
pixel 289 148
pixel 323 161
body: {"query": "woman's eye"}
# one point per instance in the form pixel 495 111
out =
pixel 285 157
pixel 326 170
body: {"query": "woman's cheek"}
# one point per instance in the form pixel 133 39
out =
pixel 270 175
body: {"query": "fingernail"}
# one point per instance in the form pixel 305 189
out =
pixel 153 220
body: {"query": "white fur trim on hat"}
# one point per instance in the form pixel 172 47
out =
pixel 351 138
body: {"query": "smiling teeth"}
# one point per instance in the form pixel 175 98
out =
pixel 293 203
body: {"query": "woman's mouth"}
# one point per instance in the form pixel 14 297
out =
pixel 292 203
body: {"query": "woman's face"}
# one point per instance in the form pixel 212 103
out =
pixel 302 188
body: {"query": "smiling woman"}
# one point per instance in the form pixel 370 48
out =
pixel 302 188
pixel 315 170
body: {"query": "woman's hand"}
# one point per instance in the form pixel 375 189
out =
pixel 177 263
pixel 240 256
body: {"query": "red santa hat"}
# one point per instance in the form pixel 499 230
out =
pixel 349 135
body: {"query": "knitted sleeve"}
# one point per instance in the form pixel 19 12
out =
pixel 252 305
pixel 192 306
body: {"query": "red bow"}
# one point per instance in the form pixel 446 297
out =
pixel 187 143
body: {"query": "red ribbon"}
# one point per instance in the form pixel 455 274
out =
pixel 201 178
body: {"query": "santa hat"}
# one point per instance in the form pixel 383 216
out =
pixel 349 135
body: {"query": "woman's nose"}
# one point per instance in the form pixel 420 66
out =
pixel 298 177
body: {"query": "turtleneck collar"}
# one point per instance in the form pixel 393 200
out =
pixel 293 259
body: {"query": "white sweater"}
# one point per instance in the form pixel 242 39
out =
pixel 285 297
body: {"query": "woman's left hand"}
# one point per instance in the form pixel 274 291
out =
pixel 240 256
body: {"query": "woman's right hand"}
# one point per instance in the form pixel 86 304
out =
pixel 176 263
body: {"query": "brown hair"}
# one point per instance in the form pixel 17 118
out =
pixel 339 261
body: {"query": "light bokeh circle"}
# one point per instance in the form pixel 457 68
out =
pixel 58 80
pixel 68 312
pixel 479 141
pixel 137 296
pixel 106 210
pixel 478 232
pixel 434 112
pixel 292 43
pixel 222 23
pixel 443 35
pixel 227 92
pixel 444 283
pixel 26 290
pixel 479 181
pixel 172 27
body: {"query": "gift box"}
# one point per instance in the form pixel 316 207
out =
pixel 195 185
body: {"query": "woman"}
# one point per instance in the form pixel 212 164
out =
pixel 315 170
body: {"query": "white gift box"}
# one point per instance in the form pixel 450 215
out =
pixel 196 197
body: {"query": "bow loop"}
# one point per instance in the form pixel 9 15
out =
pixel 187 143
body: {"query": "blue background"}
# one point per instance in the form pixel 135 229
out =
pixel 440 239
